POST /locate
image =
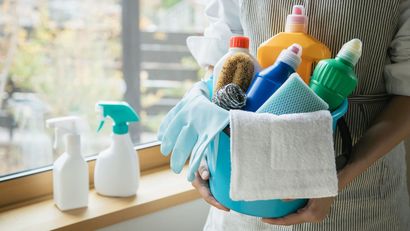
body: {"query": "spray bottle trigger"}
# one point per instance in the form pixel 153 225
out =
pixel 101 125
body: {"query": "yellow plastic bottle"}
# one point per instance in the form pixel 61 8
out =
pixel 295 32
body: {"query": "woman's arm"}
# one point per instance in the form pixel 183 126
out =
pixel 393 124
pixel 390 128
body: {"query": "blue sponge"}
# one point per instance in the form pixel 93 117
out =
pixel 294 96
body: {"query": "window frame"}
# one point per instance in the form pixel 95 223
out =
pixel 131 58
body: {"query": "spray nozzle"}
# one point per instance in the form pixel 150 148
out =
pixel 66 125
pixel 120 112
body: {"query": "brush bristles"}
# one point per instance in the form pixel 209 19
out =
pixel 237 69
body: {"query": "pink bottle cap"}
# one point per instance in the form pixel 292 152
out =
pixel 297 21
pixel 295 49
pixel 291 56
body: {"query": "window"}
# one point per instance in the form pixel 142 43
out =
pixel 59 57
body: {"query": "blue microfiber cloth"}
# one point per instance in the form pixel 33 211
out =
pixel 294 96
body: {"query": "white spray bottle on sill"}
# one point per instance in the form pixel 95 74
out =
pixel 70 171
pixel 117 168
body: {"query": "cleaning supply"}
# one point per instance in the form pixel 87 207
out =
pixel 238 69
pixel 293 159
pixel 334 79
pixel 220 171
pixel 230 97
pixel 117 168
pixel 220 178
pixel 271 78
pixel 295 32
pixel 238 44
pixel 234 79
pixel 70 171
pixel 294 96
pixel 189 127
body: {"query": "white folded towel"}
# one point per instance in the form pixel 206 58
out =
pixel 285 156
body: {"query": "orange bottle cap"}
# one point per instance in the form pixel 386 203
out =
pixel 239 42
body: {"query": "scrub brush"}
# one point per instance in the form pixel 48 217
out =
pixel 233 81
pixel 237 69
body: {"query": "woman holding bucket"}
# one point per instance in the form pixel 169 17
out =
pixel 372 187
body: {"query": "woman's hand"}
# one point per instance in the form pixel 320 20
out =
pixel 315 211
pixel 202 185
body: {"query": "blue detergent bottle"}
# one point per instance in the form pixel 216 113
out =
pixel 270 79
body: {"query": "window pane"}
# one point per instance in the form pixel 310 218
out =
pixel 167 68
pixel 59 57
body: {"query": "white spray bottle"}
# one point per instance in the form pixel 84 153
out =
pixel 117 168
pixel 70 171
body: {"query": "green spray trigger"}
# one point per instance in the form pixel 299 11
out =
pixel 101 125
pixel 120 112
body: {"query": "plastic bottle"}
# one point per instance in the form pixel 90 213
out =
pixel 236 44
pixel 270 79
pixel 334 79
pixel 70 171
pixel 117 168
pixel 295 32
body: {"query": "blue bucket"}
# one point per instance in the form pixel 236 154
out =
pixel 220 180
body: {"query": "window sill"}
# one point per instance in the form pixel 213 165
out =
pixel 38 184
pixel 159 189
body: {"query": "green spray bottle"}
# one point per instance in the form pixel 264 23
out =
pixel 335 79
pixel 117 170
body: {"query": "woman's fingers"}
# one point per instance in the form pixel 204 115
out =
pixel 203 170
pixel 292 219
pixel 315 211
pixel 203 188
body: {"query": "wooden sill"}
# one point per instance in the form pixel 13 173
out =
pixel 159 189
pixel 37 184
